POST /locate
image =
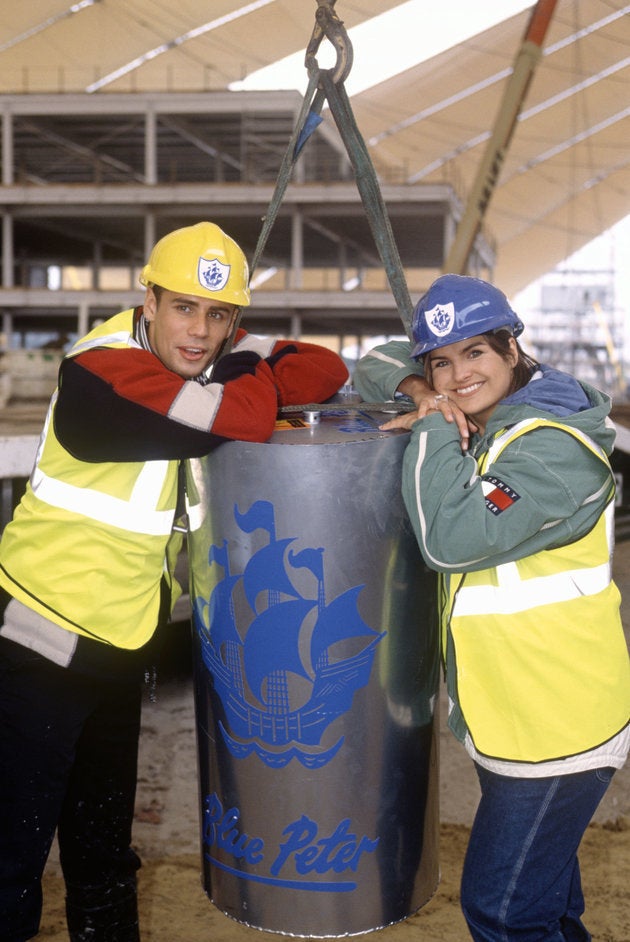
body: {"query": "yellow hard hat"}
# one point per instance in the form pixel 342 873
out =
pixel 200 260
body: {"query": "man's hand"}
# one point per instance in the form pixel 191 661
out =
pixel 233 365
pixel 428 401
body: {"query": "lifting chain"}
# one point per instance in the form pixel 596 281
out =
pixel 328 24
pixel 328 84
pixel 398 406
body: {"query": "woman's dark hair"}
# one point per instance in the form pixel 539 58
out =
pixel 499 341
pixel 525 365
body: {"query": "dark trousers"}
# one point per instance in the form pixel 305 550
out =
pixel 68 761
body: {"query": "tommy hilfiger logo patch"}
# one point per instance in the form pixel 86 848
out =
pixel 497 494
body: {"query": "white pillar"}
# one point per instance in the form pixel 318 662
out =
pixel 297 250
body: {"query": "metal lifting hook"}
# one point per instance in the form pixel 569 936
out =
pixel 328 24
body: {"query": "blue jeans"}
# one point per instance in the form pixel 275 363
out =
pixel 521 879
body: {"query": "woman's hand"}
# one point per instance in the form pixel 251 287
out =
pixel 428 401
pixel 403 420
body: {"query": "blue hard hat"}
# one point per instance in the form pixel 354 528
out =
pixel 457 307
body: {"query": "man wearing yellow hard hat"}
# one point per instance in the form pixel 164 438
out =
pixel 86 564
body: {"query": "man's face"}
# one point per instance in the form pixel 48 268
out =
pixel 186 331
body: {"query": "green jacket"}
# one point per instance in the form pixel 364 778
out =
pixel 553 474
pixel 547 490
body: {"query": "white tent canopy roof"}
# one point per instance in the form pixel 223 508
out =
pixel 565 179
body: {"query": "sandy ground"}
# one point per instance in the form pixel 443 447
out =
pixel 173 905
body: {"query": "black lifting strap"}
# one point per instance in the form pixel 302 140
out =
pixel 327 84
pixel 371 196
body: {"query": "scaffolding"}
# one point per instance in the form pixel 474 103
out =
pixel 90 183
pixel 579 328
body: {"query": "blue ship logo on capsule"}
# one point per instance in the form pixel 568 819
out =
pixel 279 679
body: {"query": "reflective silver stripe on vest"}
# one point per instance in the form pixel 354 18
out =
pixel 137 515
pixel 120 336
pixel 515 430
pixel 520 596
pixel 514 594
pixel 196 516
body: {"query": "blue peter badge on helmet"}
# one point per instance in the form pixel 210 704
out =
pixel 440 319
pixel 213 274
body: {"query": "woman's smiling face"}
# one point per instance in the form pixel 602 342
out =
pixel 473 375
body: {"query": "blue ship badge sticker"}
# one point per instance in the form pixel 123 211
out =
pixel 287 646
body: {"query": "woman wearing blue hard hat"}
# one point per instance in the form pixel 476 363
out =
pixel 508 486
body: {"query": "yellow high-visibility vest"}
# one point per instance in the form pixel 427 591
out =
pixel 542 663
pixel 87 547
